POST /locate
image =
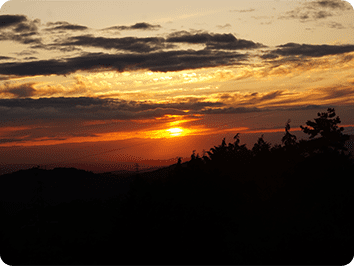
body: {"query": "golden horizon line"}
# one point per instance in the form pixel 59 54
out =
pixel 167 135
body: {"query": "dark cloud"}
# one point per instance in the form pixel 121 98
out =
pixel 10 140
pixel 137 26
pixel 5 58
pixel 56 103
pixel 30 58
pixel 51 47
pixel 321 14
pixel 19 29
pixel 21 38
pixel 62 25
pixel 58 23
pixel 28 26
pixel 18 23
pixel 129 44
pixel 20 91
pixel 231 110
pixel 159 61
pixel 200 38
pixel 67 27
pixel 299 107
pixel 132 44
pixel 307 50
pixel 85 108
pixel 234 45
pixel 305 15
pixel 243 10
pixel 212 41
pixel 332 4
pixel 11 20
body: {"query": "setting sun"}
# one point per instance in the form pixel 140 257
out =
pixel 167 133
pixel 176 131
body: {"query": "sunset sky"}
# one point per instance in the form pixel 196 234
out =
pixel 101 82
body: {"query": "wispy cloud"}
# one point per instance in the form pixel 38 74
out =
pixel 226 26
pixel 64 26
pixel 308 50
pixel 213 41
pixel 316 10
pixel 132 44
pixel 6 58
pixel 334 25
pixel 137 26
pixel 330 4
pixel 26 52
pixel 243 10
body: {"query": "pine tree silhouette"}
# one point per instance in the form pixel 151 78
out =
pixel 331 136
pixel 261 147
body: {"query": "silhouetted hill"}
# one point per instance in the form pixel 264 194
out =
pixel 67 184
pixel 59 185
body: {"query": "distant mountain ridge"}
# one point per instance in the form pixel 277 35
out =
pixel 66 184
pixel 59 185
pixel 118 167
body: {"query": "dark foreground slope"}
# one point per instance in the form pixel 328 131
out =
pixel 187 213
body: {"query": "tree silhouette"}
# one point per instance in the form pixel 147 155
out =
pixel 205 156
pixel 178 168
pixel 179 161
pixel 261 147
pixel 220 157
pixel 288 154
pixel 239 153
pixel 218 154
pixel 326 125
pixel 288 140
pixel 196 162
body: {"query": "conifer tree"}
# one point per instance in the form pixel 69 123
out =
pixel 326 125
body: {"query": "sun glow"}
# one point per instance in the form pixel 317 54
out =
pixel 176 131
pixel 168 133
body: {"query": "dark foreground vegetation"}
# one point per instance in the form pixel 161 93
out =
pixel 282 204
